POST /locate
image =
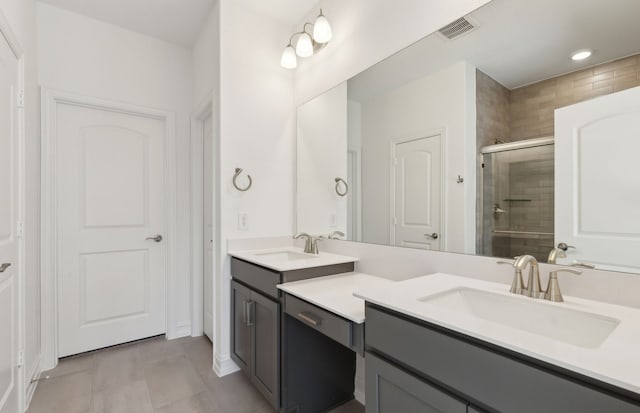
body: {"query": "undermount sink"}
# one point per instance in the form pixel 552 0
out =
pixel 552 321
pixel 286 256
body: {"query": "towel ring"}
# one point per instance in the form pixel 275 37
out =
pixel 235 178
pixel 346 187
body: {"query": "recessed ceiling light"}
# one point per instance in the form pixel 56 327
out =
pixel 581 55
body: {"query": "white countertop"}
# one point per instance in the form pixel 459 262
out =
pixel 334 293
pixel 263 258
pixel 615 361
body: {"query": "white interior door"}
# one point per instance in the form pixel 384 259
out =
pixel 9 203
pixel 110 199
pixel 207 242
pixel 417 193
pixel 598 181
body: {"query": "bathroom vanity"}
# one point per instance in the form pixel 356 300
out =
pixel 299 356
pixel 424 352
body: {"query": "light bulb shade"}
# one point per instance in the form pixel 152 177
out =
pixel 304 47
pixel 289 59
pixel 322 30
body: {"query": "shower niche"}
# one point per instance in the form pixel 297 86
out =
pixel 517 199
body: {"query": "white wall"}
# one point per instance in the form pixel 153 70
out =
pixel 367 31
pixel 256 134
pixel 434 103
pixel 322 156
pixel 21 17
pixel 206 58
pixel 81 55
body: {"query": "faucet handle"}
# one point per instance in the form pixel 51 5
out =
pixel 583 265
pixel 517 285
pixel 553 288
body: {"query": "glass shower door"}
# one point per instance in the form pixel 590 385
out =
pixel 518 202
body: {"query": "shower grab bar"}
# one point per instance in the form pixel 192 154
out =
pixel 522 232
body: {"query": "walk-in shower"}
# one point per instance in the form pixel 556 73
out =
pixel 517 199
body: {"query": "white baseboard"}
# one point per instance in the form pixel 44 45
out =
pixel 223 365
pixel 30 385
pixel 182 329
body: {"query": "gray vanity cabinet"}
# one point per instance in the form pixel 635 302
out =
pixel 241 339
pixel 391 390
pixel 407 357
pixel 256 330
pixel 255 341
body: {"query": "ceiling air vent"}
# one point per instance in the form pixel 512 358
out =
pixel 456 28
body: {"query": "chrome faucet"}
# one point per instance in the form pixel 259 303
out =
pixel 310 243
pixel 555 254
pixel 533 288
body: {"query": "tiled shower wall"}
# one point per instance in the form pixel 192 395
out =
pixel 528 112
pixel 532 107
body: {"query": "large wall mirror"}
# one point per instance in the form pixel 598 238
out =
pixel 488 137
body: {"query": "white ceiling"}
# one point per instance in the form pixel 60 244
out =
pixel 175 21
pixel 517 42
pixel 287 11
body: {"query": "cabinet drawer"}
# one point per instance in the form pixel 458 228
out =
pixel 391 390
pixel 484 375
pixel 315 317
pixel 260 278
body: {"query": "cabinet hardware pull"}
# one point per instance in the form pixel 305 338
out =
pixel 309 319
pixel 251 309
pixel 4 266
pixel 244 312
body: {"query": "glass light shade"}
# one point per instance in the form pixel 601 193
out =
pixel 581 55
pixel 289 59
pixel 322 30
pixel 304 47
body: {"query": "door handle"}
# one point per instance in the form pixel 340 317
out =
pixel 4 266
pixel 157 238
pixel 432 236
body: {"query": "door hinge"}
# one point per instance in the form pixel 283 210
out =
pixel 20 99
pixel 20 229
pixel 20 361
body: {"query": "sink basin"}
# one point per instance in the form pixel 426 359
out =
pixel 552 321
pixel 286 256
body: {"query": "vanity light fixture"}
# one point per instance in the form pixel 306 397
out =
pixel 307 43
pixel 581 55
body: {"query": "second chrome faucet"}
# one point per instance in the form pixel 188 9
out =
pixel 533 288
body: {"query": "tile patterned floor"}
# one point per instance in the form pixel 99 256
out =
pixel 150 376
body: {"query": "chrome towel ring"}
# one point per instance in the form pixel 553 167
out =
pixel 346 187
pixel 235 178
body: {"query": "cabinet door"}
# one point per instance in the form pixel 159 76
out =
pixel 264 318
pixel 391 390
pixel 241 330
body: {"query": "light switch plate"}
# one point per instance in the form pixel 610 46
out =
pixel 243 221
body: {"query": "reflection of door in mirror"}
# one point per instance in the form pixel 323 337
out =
pixel 598 181
pixel 416 193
